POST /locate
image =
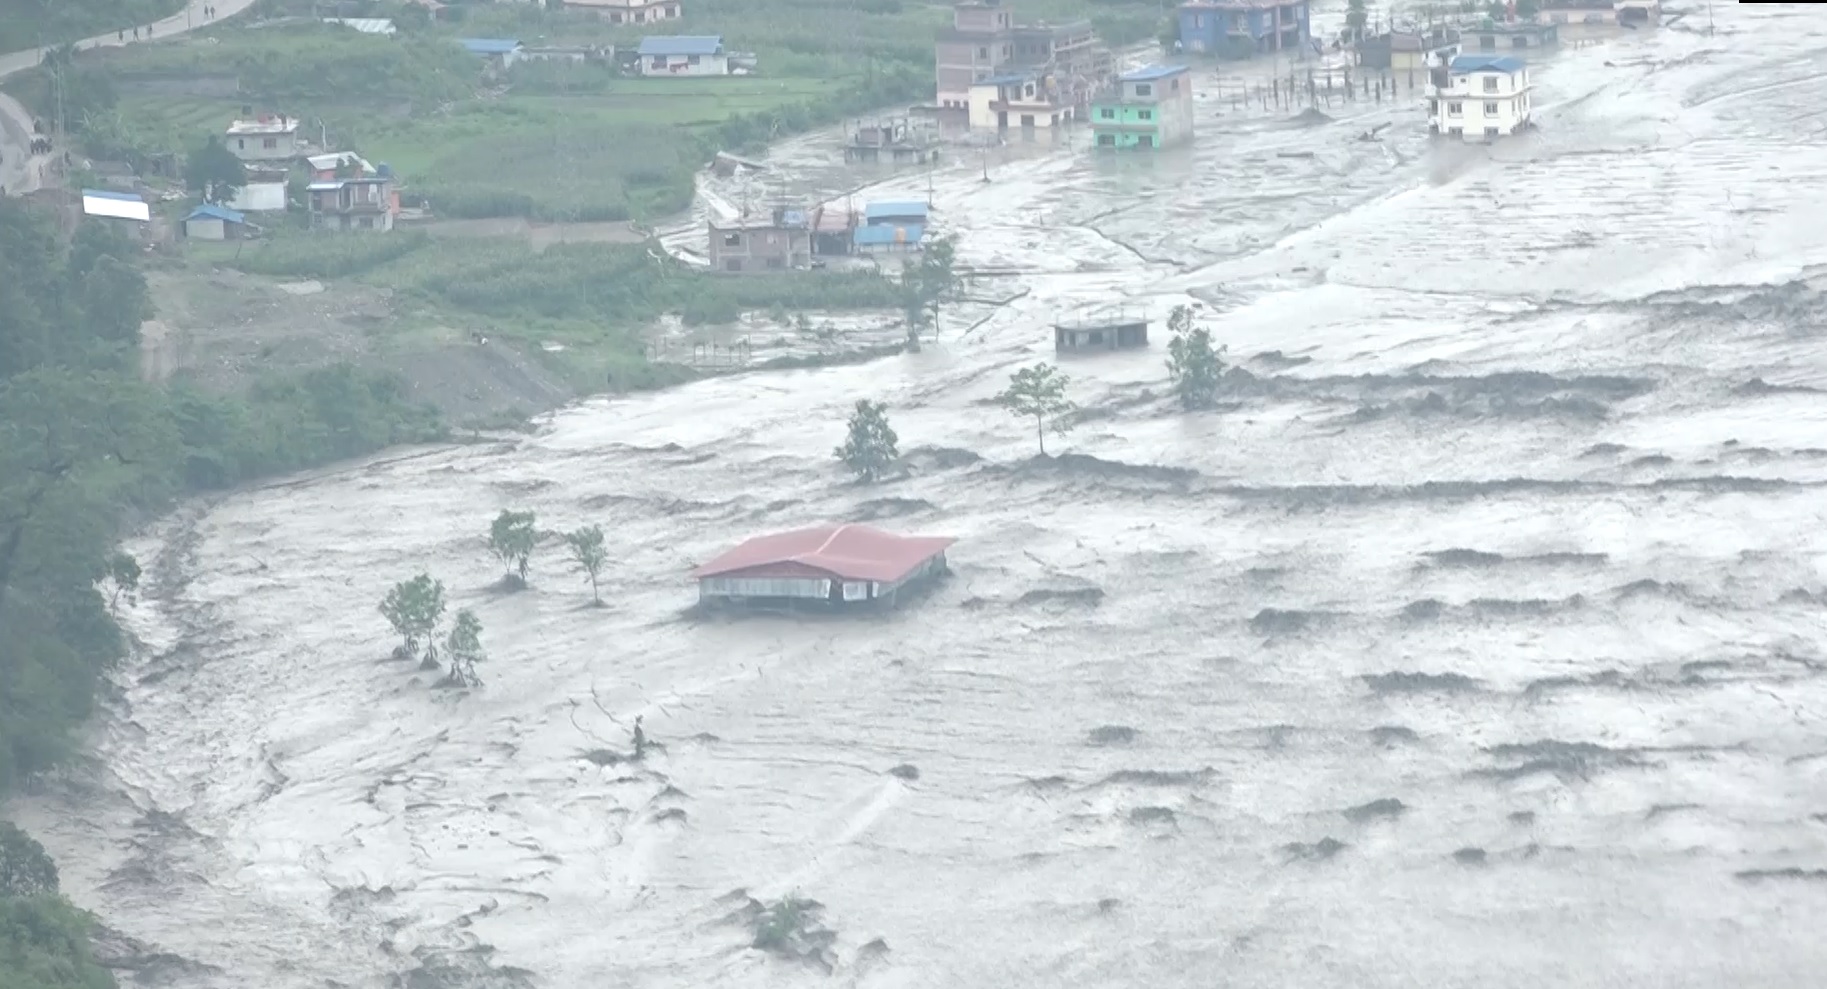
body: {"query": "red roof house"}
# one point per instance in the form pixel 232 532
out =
pixel 829 563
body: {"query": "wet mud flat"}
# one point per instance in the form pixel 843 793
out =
pixel 1475 641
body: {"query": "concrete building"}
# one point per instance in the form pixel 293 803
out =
pixel 263 193
pixel 630 11
pixel 898 139
pixel 268 137
pixel 1148 108
pixel 984 41
pixel 778 241
pixel 1242 28
pixel 1507 36
pixel 830 565
pixel 362 201
pixel 1479 97
pixel 500 53
pixel 208 222
pixel 683 55
pixel 115 205
pixel 1408 51
pixel 891 228
pixel 1113 332
pixel 1026 100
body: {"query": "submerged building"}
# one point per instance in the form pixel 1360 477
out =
pixel 1479 97
pixel 1242 28
pixel 830 564
pixel 1148 108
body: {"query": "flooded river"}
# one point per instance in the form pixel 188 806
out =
pixel 1477 641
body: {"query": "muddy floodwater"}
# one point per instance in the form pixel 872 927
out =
pixel 1476 641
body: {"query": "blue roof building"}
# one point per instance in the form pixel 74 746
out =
pixel 502 51
pixel 1506 64
pixel 884 237
pixel 898 212
pixel 1242 28
pixel 681 44
pixel 1480 97
pixel 683 55
pixel 211 222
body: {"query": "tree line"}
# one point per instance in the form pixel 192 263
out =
pixel 1195 369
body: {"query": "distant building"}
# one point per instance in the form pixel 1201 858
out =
pixel 1408 51
pixel 630 11
pixel 364 25
pixel 779 241
pixel 984 41
pixel 264 191
pixel 208 222
pixel 683 55
pixel 501 53
pixel 1242 28
pixel 354 201
pixel 831 565
pixel 1148 108
pixel 334 164
pixel 834 230
pixel 1119 332
pixel 268 137
pixel 1479 97
pixel 1507 36
pixel 1638 11
pixel 115 205
pixel 898 140
pixel 1027 100
pixel 891 228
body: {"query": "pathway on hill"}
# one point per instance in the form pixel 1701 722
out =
pixel 20 171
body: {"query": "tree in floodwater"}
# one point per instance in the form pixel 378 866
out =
pixel 590 555
pixel 870 449
pixel 25 868
pixel 1040 392
pixel 511 538
pixel 415 608
pixel 464 646
pixel 124 571
pixel 1193 364
pixel 1356 17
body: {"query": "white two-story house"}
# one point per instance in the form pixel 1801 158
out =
pixel 1479 97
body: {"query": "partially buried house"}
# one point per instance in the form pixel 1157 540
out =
pixel 829 565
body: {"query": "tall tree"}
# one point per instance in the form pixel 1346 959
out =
pixel 25 869
pixel 1039 392
pixel 512 538
pixel 590 555
pixel 1192 364
pixel 213 171
pixel 871 447
pixel 1355 19
pixel 464 645
pixel 415 608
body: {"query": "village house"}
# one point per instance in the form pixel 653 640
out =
pixel 116 205
pixel 984 41
pixel 630 11
pixel 268 137
pixel 263 192
pixel 780 240
pixel 1408 51
pixel 1639 11
pixel 498 53
pixel 353 199
pixel 1027 100
pixel 1503 36
pixel 891 228
pixel 834 230
pixel 210 222
pixel 899 140
pixel 1120 331
pixel 683 55
pixel 1242 28
pixel 830 565
pixel 1479 97
pixel 1148 108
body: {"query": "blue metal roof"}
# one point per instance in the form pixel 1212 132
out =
pixel 682 44
pixel 1486 63
pixel 210 211
pixel 1152 72
pixel 882 211
pixel 488 46
pixel 121 197
pixel 877 236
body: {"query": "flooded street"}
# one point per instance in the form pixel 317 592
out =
pixel 1477 641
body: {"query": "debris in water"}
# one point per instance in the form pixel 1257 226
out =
pixel 1469 856
pixel 1415 683
pixel 1389 735
pixel 1319 851
pixel 905 771
pixel 1386 807
pixel 1112 735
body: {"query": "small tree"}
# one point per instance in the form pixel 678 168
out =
pixel 464 644
pixel 870 449
pixel 25 869
pixel 414 608
pixel 124 571
pixel 1527 9
pixel 213 172
pixel 1038 391
pixel 1194 366
pixel 511 538
pixel 588 553
pixel 1355 19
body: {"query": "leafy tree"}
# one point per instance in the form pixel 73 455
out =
pixel 1193 365
pixel 512 537
pixel 414 608
pixel 25 869
pixel 44 944
pixel 1527 9
pixel 213 171
pixel 590 555
pixel 1038 391
pixel 1355 19
pixel 124 571
pixel 870 449
pixel 464 644
pixel 926 285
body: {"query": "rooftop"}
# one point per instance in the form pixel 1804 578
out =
pixel 1152 72
pixel 882 211
pixel 1239 4
pixel 488 46
pixel 851 552
pixel 337 159
pixel 1014 79
pixel 279 124
pixel 210 211
pixel 366 25
pixel 1487 63
pixel 682 44
pixel 121 205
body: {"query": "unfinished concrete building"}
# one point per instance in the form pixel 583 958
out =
pixel 778 240
pixel 985 42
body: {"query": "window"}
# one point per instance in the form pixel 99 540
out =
pixel 1198 20
pixel 983 53
pixel 659 62
pixel 1490 108
pixel 1490 132
pixel 1490 84
pixel 732 264
pixel 1106 140
pixel 1145 141
pixel 691 60
pixel 1027 120
pixel 1487 42
pixel 1455 131
pixel 1144 89
pixel 1145 115
pixel 773 239
pixel 270 143
pixel 241 144
pixel 732 240
pixel 615 18
pixel 1174 86
pixel 1005 51
pixel 1520 41
pixel 777 263
pixel 1106 113
pixel 367 223
pixel 1455 109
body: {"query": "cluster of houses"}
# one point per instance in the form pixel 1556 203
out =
pixel 343 192
pixel 784 238
pixel 665 56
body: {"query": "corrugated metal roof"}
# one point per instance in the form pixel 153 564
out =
pixel 489 46
pixel 682 44
pixel 1152 72
pixel 210 211
pixel 120 205
pixel 884 234
pixel 336 159
pixel 852 552
pixel 884 210
pixel 366 25
pixel 1486 63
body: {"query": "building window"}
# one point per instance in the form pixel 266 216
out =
pixel 777 263
pixel 1455 109
pixel 240 144
pixel 658 63
pixel 1005 51
pixel 732 240
pixel 1490 132
pixel 1107 113
pixel 1490 84
pixel 983 53
pixel 1174 86
pixel 1027 120
pixel 1145 115
pixel 1490 108
pixel 1144 89
pixel 1455 132
pixel 1520 41
pixel 367 223
pixel 691 60
pixel 1487 42
pixel 1106 140
pixel 732 264
pixel 270 143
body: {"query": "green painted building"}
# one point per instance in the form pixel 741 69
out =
pixel 1148 108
